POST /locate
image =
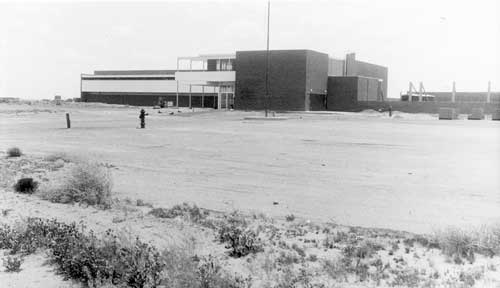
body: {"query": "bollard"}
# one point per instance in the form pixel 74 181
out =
pixel 68 121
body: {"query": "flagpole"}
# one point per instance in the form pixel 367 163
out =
pixel 267 57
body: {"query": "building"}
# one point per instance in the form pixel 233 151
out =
pixel 202 81
pixel 300 80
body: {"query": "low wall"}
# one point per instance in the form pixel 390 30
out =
pixel 417 107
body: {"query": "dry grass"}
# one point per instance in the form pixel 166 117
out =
pixel 86 182
pixel 60 156
pixel 463 243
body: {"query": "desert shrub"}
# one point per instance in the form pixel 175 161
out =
pixel 363 251
pixel 335 269
pixel 312 258
pixel 141 203
pixel 457 244
pixel 408 277
pixel 337 237
pixel 469 277
pixel 54 157
pixel 290 217
pixel 355 259
pixel 14 152
pixel 84 257
pixel 193 213
pixel 86 183
pixel 240 240
pixel 26 185
pixel 211 275
pixel 81 255
pixel 299 250
pixel 488 240
pixel 12 263
pixel 287 258
pixel 302 278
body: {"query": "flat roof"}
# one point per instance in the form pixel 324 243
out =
pixel 134 72
pixel 208 57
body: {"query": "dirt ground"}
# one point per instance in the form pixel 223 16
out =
pixel 408 172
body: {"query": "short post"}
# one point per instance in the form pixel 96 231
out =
pixel 488 96
pixel 453 93
pixel 409 92
pixel 68 121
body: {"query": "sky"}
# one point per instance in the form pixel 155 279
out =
pixel 45 46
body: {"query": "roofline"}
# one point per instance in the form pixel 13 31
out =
pixel 208 57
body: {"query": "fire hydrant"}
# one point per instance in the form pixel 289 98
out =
pixel 142 116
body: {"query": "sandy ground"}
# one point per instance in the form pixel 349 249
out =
pixel 35 272
pixel 409 172
pixel 413 263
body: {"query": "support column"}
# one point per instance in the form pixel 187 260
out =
pixel 410 92
pixel 453 93
pixel 177 94
pixel 203 96
pixel 81 76
pixel 218 99
pixel 488 96
pixel 227 102
pixel 190 97
pixel 420 92
pixel 379 90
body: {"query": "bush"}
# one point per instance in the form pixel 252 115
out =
pixel 14 152
pixel 80 255
pixel 299 250
pixel 194 213
pixel 12 263
pixel 290 218
pixel 59 156
pixel 85 257
pixel 240 241
pixel 26 185
pixel 458 244
pixel 86 183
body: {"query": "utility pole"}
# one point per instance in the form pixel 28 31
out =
pixel 267 57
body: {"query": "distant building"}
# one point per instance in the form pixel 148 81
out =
pixel 298 80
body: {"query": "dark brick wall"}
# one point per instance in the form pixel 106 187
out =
pixel 342 92
pixel 292 74
pixel 150 99
pixel 287 78
pixel 375 71
pixel 368 89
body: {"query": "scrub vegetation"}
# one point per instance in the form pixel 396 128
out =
pixel 26 185
pixel 14 152
pixel 185 245
pixel 86 182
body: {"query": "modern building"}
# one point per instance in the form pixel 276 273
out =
pixel 301 80
pixel 202 81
